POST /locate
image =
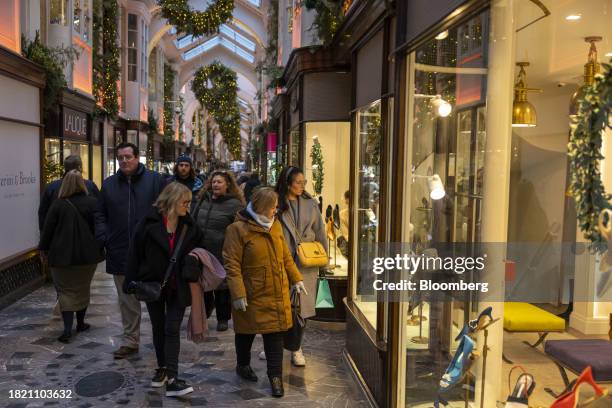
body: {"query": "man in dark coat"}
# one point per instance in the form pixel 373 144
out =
pixel 126 198
pixel 185 174
pixel 72 162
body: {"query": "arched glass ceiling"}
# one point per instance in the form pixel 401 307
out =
pixel 213 42
pixel 229 32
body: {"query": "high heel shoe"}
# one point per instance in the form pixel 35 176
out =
pixel 525 384
pixel 458 366
pixel 570 399
pixel 477 323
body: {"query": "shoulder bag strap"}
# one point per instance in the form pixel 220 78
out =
pixel 75 209
pixel 175 254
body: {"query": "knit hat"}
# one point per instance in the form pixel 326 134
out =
pixel 183 158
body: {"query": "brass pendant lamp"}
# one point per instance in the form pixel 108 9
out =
pixel 591 68
pixel 523 112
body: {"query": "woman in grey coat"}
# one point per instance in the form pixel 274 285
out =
pixel 298 210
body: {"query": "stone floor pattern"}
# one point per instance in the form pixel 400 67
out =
pixel 32 359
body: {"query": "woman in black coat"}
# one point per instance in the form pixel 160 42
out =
pixel 69 242
pixel 153 246
pixel 221 199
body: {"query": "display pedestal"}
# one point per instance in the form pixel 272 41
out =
pixel 338 290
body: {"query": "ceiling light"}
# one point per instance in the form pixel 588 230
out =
pixel 442 108
pixel 523 112
pixel 573 17
pixel 442 35
pixel 436 188
pixel 591 68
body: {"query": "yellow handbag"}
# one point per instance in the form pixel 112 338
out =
pixel 310 254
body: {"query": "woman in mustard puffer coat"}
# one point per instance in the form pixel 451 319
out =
pixel 260 273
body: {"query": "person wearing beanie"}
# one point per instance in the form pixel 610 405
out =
pixel 185 174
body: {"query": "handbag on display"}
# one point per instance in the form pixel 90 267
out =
pixel 324 298
pixel 342 245
pixel 292 340
pixel 151 291
pixel 571 399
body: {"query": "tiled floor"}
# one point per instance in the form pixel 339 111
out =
pixel 32 359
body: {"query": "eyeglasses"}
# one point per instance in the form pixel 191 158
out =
pixel 125 158
pixel 301 183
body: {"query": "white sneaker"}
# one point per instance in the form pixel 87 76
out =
pixel 297 358
pixel 262 355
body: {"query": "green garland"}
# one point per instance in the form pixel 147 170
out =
pixel 317 166
pixel 221 101
pixel 592 120
pixel 106 67
pixel 53 60
pixel 197 23
pixel 328 18
pixel 168 105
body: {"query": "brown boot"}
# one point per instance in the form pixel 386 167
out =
pixel 124 352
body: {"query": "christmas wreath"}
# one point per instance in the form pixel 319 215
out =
pixel 215 86
pixel 197 23
pixel 587 129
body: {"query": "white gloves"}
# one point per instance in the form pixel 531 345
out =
pixel 299 288
pixel 240 304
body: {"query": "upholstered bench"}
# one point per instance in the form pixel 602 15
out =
pixel 521 317
pixel 577 354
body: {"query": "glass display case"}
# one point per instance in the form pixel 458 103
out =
pixel 446 143
pixel 369 146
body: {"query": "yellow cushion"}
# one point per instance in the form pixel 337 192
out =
pixel 520 316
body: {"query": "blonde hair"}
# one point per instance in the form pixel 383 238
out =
pixel 170 196
pixel 263 198
pixel 72 183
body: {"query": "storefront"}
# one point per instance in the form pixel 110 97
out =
pixel 471 168
pixel 315 129
pixel 70 131
pixel 21 167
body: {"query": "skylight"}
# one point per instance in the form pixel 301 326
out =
pixel 256 3
pixel 205 46
pixel 240 39
pixel 237 50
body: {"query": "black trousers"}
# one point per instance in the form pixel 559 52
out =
pixel 220 300
pixel 273 346
pixel 166 317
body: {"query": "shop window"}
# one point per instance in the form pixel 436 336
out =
pixel 58 12
pixel 53 159
pixel 446 142
pixel 79 149
pixel 367 205
pixel 97 165
pixel 329 141
pixel 296 146
pixel 81 19
pixel 143 52
pixel 132 45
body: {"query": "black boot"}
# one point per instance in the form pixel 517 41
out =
pixel 277 386
pixel 246 372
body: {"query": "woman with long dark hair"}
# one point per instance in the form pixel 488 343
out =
pixel 219 202
pixel 302 222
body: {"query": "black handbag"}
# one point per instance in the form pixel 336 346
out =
pixel 293 337
pixel 151 291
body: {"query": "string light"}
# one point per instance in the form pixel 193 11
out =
pixel 106 70
pixel 221 101
pixel 197 23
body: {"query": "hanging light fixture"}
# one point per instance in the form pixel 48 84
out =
pixel 523 112
pixel 591 68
